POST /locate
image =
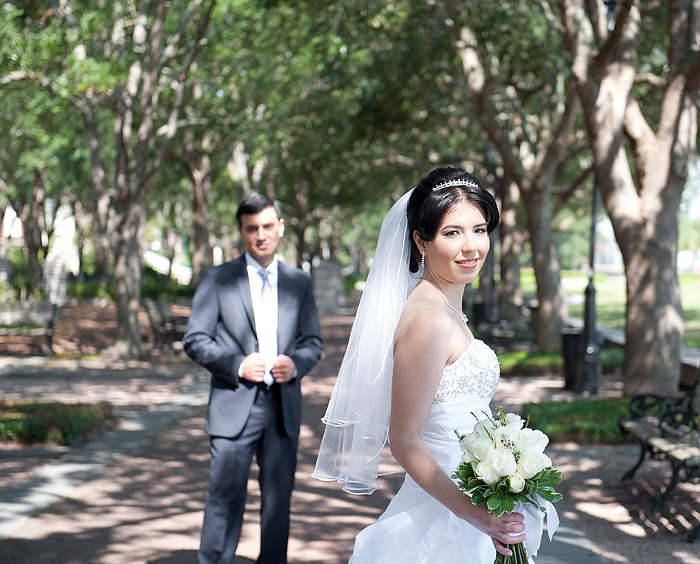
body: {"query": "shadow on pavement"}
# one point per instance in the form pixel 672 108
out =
pixel 147 507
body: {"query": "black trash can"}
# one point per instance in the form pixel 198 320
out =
pixel 481 314
pixel 572 351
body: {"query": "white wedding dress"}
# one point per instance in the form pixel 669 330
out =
pixel 415 528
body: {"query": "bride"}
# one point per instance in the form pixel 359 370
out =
pixel 412 375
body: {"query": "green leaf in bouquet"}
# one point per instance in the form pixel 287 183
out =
pixel 494 502
pixel 550 495
pixel 533 501
pixel 508 503
pixel 478 498
pixel 503 485
pixel 550 477
pixel 530 487
pixel 473 483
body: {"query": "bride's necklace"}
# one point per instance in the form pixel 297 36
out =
pixel 461 314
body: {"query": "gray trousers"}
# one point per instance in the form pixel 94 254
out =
pixel 231 460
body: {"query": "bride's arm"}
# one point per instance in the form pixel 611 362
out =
pixel 423 346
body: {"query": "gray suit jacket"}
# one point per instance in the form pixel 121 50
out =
pixel 221 333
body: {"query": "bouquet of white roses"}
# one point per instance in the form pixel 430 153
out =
pixel 503 463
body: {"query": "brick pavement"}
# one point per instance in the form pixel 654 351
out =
pixel 145 504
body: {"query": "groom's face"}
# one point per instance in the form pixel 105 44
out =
pixel 261 233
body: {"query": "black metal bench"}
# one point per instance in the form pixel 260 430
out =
pixel 29 319
pixel 166 326
pixel 668 428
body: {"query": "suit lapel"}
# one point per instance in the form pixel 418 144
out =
pixel 286 299
pixel 240 289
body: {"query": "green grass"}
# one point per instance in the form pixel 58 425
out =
pixel 31 422
pixel 534 363
pixel 591 420
pixel 583 420
pixel 611 299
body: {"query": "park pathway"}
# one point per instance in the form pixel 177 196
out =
pixel 136 494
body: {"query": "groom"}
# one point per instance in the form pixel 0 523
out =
pixel 254 326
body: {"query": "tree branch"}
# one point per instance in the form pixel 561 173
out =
pixel 560 135
pixel 171 128
pixel 16 76
pixel 615 36
pixel 479 84
pixel 571 190
pixel 171 47
pixel 650 78
pixel 162 131
pixel 4 188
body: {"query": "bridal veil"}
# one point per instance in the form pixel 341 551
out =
pixel 357 417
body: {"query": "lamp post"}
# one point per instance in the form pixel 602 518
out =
pixel 591 346
pixel 590 367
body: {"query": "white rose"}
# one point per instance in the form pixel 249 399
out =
pixel 475 447
pixel 486 472
pixel 517 483
pixel 532 440
pixel 465 441
pixel 503 462
pixel 513 420
pixel 508 437
pixel 483 428
pixel 530 464
pixel 482 448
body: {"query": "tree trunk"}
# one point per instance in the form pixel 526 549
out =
pixel 652 294
pixel 196 162
pixel 534 179
pixel 552 310
pixel 32 214
pixel 136 143
pixel 83 221
pixel 202 254
pixel 128 274
pixel 102 231
pixel 510 298
pixel 32 236
pixel 642 202
pixel 300 228
pixel 486 292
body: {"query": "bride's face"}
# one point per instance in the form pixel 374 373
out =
pixel 460 246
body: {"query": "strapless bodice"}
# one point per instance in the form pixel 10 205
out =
pixel 462 397
pixel 474 374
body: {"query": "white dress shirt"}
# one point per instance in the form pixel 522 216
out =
pixel 265 321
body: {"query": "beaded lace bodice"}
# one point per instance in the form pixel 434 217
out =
pixel 475 373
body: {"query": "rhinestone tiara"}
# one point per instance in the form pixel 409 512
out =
pixel 456 182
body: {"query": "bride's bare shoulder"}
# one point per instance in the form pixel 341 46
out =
pixel 422 319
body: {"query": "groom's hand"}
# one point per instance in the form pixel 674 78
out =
pixel 253 367
pixel 283 370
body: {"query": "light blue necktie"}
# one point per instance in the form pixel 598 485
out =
pixel 266 307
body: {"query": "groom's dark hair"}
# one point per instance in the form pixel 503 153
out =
pixel 255 203
pixel 427 206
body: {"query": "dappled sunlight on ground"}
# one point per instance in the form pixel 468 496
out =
pixel 618 517
pixel 147 508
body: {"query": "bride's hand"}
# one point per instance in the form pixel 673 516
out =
pixel 506 529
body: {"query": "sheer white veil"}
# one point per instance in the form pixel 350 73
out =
pixel 357 417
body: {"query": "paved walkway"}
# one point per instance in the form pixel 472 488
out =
pixel 136 494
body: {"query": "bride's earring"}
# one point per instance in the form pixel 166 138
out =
pixel 422 261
